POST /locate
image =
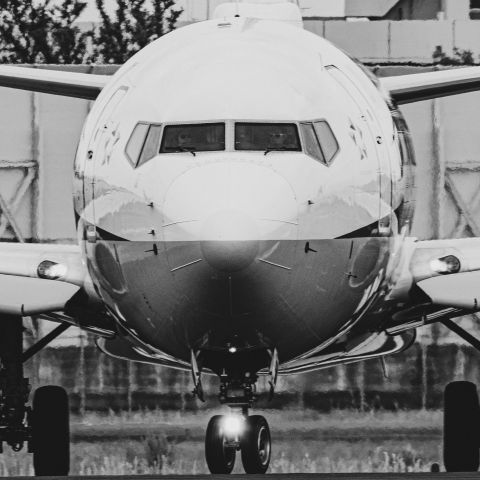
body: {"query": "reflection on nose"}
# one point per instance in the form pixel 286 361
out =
pixel 232 243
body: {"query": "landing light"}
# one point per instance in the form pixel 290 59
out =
pixel 446 265
pixel 51 270
pixel 232 349
pixel 233 425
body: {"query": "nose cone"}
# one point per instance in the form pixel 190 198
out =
pixel 233 241
pixel 227 214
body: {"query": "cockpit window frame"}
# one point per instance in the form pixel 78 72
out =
pixel 323 160
pixel 135 163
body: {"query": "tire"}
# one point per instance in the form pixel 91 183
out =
pixel 220 458
pixel 256 445
pixel 50 432
pixel 461 422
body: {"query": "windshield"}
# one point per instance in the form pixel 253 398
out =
pixel 195 138
pixel 267 136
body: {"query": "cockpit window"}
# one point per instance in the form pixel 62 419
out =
pixel 312 147
pixel 136 141
pixel 327 140
pixel 207 137
pixel 151 145
pixel 143 144
pixel 267 136
pixel 320 141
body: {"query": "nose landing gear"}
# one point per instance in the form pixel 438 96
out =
pixel 254 442
pixel 227 434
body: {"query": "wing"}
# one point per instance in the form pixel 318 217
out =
pixel 36 278
pixel 448 272
pixel 69 84
pixel 436 279
pixel 424 86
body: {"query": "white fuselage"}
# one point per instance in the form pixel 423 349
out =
pixel 251 248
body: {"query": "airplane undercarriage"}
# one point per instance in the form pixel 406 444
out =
pixel 237 431
pixel 227 434
pixel 43 426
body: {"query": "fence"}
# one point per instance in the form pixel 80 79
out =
pixel 416 380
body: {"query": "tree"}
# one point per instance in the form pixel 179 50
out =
pixel 136 23
pixel 38 32
pixel 69 43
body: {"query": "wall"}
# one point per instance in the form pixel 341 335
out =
pixel 412 41
pixel 415 380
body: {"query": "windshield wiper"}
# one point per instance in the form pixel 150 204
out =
pixel 187 149
pixel 276 149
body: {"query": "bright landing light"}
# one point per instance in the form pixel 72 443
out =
pixel 51 270
pixel 233 425
pixel 445 265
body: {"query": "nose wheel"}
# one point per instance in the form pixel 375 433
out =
pixel 220 450
pixel 256 445
pixel 253 440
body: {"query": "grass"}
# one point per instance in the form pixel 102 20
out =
pixel 302 423
pixel 377 449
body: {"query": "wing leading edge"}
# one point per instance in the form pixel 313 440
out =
pixel 425 86
pixel 36 278
pixel 69 84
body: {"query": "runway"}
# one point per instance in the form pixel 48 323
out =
pixel 281 476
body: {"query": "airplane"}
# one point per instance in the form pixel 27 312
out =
pixel 244 194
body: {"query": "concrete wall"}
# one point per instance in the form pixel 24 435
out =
pixel 97 382
pixel 399 42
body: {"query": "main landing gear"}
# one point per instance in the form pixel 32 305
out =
pixel 461 419
pixel 45 425
pixel 227 434
pixel 461 438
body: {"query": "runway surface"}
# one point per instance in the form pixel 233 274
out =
pixel 282 476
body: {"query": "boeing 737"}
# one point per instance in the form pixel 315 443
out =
pixel 244 195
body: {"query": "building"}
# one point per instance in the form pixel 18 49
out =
pixel 197 10
pixel 428 10
pixel 390 9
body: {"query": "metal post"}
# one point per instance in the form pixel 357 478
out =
pixel 35 155
pixel 438 172
pixel 423 353
pixel 101 366
pixel 361 385
pixel 81 375
pixel 130 368
pixel 459 373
